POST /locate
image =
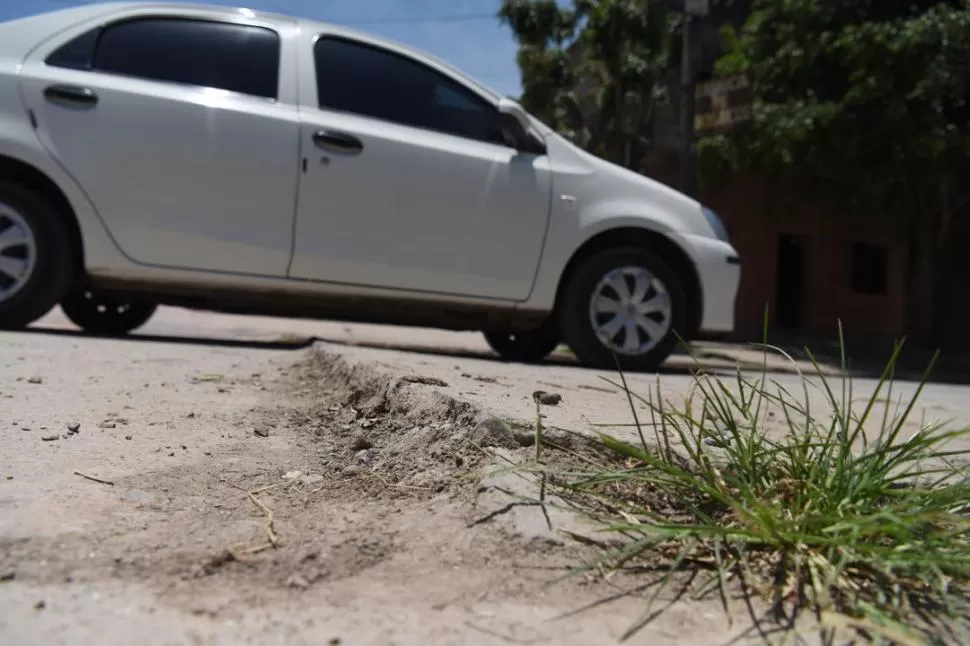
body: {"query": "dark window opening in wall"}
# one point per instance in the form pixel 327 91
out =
pixel 869 268
pixel 790 282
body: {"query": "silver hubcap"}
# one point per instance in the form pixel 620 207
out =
pixel 18 252
pixel 630 310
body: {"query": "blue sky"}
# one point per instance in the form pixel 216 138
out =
pixel 463 32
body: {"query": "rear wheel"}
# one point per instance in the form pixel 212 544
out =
pixel 625 303
pixel 524 346
pixel 105 313
pixel 36 256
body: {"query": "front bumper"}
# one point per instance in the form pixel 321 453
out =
pixel 719 272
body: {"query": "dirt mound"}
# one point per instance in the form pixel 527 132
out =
pixel 411 438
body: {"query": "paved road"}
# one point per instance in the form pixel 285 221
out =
pixel 118 564
pixel 464 361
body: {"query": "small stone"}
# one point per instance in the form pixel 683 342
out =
pixel 35 380
pixel 73 428
pixel 493 432
pixel 207 453
pixel 8 574
pixel 171 454
pixel 50 438
pixel 547 399
pixel 361 443
pixel 364 456
pixel 127 437
pixel 40 605
pixel 297 581
pixel 191 415
pixel 107 424
pixel 9 477
pixel 261 431
pixel 352 470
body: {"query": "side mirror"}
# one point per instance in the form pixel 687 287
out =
pixel 516 121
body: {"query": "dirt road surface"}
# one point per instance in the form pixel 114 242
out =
pixel 214 480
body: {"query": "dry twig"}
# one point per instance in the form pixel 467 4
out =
pixel 93 478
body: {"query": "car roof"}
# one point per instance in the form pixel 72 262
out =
pixel 84 12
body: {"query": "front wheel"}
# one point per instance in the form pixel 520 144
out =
pixel 106 314
pixel 524 346
pixel 623 306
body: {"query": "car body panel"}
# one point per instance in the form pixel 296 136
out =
pixel 416 210
pixel 182 176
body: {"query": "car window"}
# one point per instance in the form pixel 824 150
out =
pixel 361 79
pixel 238 58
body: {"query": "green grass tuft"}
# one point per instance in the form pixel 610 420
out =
pixel 847 513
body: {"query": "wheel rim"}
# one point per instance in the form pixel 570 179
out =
pixel 18 252
pixel 630 311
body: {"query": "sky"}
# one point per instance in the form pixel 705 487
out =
pixel 464 33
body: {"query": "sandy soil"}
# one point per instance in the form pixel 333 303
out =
pixel 375 491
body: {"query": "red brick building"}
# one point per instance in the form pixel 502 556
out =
pixel 809 267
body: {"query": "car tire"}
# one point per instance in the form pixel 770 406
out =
pixel 524 346
pixel 37 259
pixel 103 313
pixel 660 311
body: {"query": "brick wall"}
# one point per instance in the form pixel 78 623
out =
pixel 827 294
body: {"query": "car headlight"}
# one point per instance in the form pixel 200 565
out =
pixel 713 219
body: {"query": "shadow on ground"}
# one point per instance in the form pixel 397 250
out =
pixel 869 360
pixel 679 364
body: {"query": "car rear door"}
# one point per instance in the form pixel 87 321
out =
pixel 408 183
pixel 182 128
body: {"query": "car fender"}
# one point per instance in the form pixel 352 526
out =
pixel 18 143
pixel 572 226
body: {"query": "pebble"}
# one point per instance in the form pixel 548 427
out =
pixel 547 399
pixel 261 431
pixel 311 479
pixel 50 438
pixel 352 470
pixel 35 380
pixel 73 428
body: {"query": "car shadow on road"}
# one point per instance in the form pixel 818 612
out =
pixel 302 342
pixel 283 343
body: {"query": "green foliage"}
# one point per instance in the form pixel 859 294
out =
pixel 590 71
pixel 868 97
pixel 833 508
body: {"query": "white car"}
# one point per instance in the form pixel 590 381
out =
pixel 238 161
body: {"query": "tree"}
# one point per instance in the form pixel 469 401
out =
pixel 591 71
pixel 867 100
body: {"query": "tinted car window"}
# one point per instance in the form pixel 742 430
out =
pixel 238 58
pixel 77 54
pixel 360 79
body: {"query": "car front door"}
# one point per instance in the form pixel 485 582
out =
pixel 408 181
pixel 182 132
